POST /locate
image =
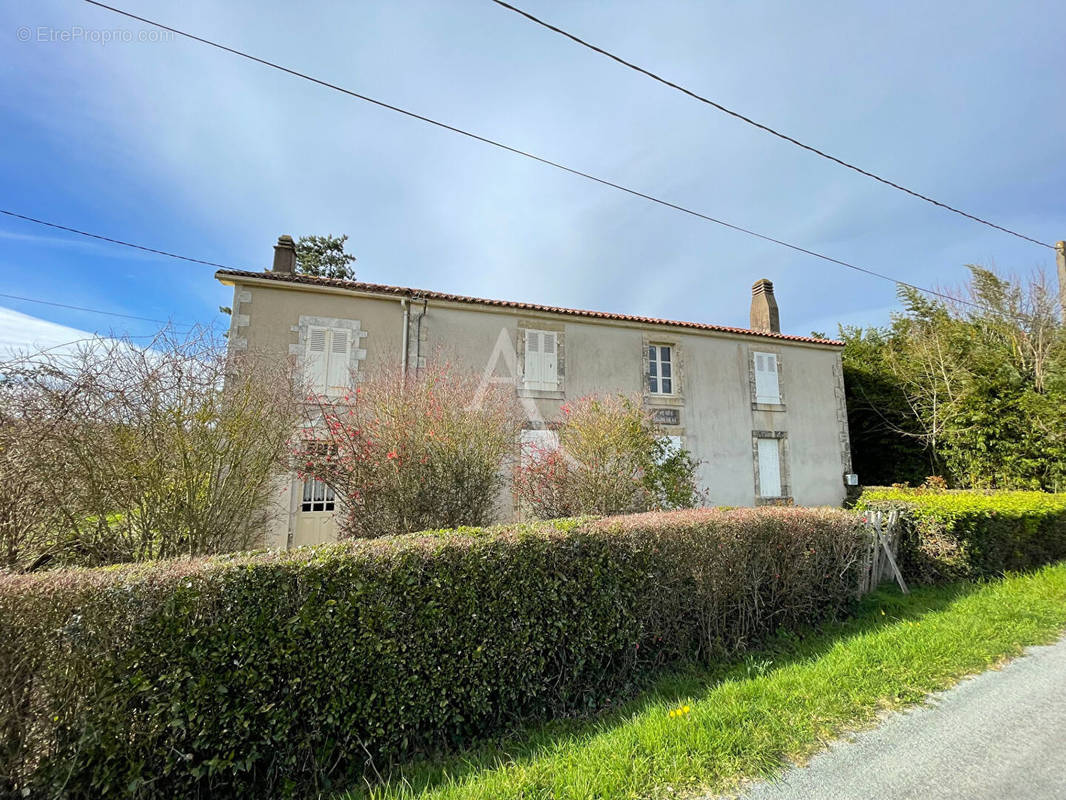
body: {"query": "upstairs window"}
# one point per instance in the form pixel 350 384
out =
pixel 660 369
pixel 326 364
pixel 767 385
pixel 541 368
pixel 317 496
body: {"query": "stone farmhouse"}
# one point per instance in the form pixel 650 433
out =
pixel 762 410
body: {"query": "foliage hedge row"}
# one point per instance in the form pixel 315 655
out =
pixel 953 535
pixel 282 674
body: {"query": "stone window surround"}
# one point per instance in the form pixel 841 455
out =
pixel 559 329
pixel 786 473
pixel 240 320
pixel 677 397
pixel 356 354
pixel 773 350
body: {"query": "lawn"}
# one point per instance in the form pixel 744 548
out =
pixel 707 730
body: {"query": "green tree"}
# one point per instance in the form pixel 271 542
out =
pixel 976 382
pixel 325 257
pixel 887 445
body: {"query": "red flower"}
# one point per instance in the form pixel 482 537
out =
pixel 392 454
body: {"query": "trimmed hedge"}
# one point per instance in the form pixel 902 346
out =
pixel 953 535
pixel 285 674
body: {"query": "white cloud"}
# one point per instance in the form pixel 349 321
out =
pixel 20 333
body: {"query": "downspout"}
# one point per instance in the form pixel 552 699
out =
pixel 418 334
pixel 406 327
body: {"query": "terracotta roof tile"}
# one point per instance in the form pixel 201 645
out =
pixel 403 291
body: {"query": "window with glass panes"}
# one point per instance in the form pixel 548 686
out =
pixel 660 369
pixel 317 496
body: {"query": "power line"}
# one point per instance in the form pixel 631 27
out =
pixel 36 354
pixel 83 308
pixel 109 240
pixel 875 274
pixel 116 241
pixel 759 125
pixel 519 152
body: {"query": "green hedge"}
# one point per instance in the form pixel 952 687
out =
pixel 287 674
pixel 954 535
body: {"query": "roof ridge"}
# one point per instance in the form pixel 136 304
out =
pixel 383 288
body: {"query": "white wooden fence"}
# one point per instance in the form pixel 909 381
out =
pixel 879 562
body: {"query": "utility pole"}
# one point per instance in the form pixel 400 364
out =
pixel 1060 257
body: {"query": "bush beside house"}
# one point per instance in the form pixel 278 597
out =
pixel 409 451
pixel 279 674
pixel 611 458
pixel 953 535
pixel 118 450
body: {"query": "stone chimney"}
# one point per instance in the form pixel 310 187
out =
pixel 764 313
pixel 285 255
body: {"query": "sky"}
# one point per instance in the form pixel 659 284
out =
pixel 179 147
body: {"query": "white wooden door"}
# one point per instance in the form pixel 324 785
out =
pixel 314 527
pixel 316 519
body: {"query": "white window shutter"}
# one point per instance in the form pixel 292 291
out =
pixel 338 374
pixel 767 387
pixel 769 467
pixel 541 360
pixel 548 361
pixel 316 359
pixel 532 366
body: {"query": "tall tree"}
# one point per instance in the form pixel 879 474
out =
pixel 325 257
pixel 976 381
pixel 887 445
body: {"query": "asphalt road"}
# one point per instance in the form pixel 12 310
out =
pixel 1001 735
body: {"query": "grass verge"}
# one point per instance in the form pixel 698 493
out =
pixel 748 718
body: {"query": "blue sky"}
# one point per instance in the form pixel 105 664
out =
pixel 179 147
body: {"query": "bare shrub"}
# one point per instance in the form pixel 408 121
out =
pixel 412 452
pixel 27 512
pixel 132 453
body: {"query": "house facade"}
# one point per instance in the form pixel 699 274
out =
pixel 764 412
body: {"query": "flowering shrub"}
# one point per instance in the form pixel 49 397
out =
pixel 407 453
pixel 611 459
pixel 952 535
pixel 289 674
